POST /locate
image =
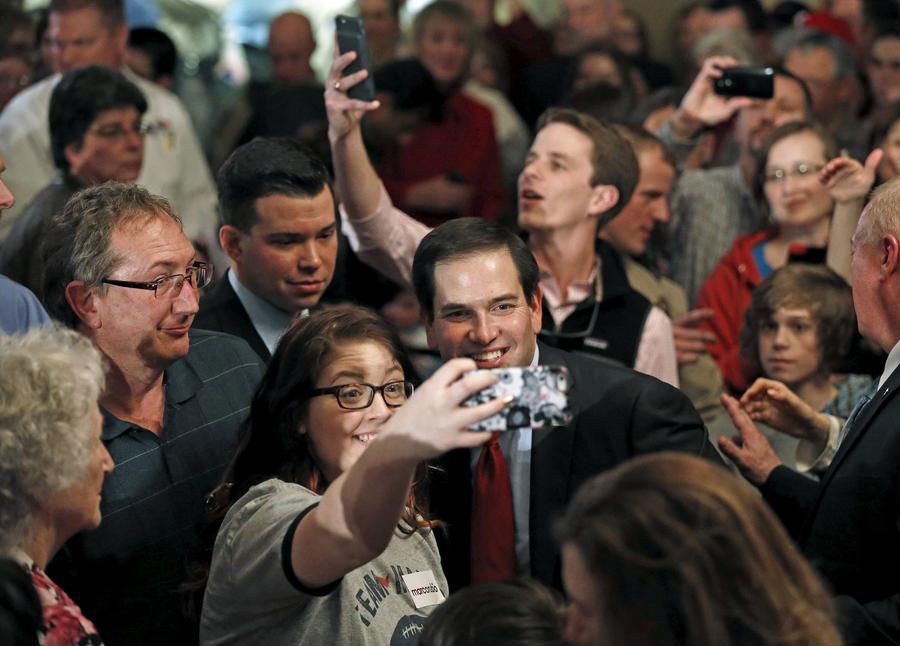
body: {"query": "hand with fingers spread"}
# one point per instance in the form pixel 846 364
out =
pixel 749 450
pixel 690 341
pixel 434 420
pixel 344 113
pixel 847 180
pixel 771 402
pixel 701 107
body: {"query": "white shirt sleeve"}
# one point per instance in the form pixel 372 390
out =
pixel 812 459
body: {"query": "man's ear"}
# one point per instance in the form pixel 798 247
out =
pixel 603 198
pixel 890 255
pixel 74 157
pixel 231 239
pixel 536 307
pixel 430 336
pixel 120 40
pixel 82 300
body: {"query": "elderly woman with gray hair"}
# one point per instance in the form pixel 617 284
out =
pixel 52 462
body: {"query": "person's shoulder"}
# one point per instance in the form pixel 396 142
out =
pixel 266 502
pixel 699 180
pixel 743 245
pixel 212 350
pixel 218 296
pixel 25 100
pixel 160 101
pixel 20 309
pixel 28 108
pixel 10 291
pixel 598 376
pixel 596 371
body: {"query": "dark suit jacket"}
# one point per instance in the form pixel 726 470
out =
pixel 848 524
pixel 617 414
pixel 221 311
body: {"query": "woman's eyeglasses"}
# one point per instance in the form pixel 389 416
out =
pixel 357 396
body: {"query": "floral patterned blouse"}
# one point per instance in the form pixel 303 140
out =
pixel 64 625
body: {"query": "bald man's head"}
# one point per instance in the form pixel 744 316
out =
pixel 291 45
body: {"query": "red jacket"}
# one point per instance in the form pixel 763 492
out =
pixel 727 292
pixel 465 143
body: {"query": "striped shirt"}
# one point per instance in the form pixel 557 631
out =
pixel 126 573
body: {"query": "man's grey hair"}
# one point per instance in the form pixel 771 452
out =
pixel 805 39
pixel 77 245
pixel 50 380
pixel 882 214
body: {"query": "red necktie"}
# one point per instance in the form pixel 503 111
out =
pixel 493 524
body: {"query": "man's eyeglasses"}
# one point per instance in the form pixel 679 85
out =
pixel 802 169
pixel 117 130
pixel 357 396
pixel 198 275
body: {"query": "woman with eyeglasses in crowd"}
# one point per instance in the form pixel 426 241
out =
pixel 323 504
pixel 804 180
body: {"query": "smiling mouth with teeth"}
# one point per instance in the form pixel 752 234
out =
pixel 487 356
pixel 365 438
pixel 531 195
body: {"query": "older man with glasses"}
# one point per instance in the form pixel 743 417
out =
pixel 119 269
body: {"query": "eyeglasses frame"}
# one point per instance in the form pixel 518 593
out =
pixel 154 285
pixel 335 390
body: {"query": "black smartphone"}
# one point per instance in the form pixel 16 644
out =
pixel 756 82
pixel 351 36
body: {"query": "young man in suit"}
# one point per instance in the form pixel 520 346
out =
pixel 280 235
pixel 477 285
pixel 847 523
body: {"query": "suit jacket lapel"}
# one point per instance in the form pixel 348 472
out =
pixel 240 319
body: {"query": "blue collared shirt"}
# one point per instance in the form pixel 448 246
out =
pixel 269 321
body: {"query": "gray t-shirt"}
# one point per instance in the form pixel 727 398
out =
pixel 253 597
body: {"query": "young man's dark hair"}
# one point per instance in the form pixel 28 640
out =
pixel 158 47
pixel 464 237
pixel 79 98
pixel 267 166
pixel 613 160
pixel 642 139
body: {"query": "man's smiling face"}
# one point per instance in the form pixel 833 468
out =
pixel 480 311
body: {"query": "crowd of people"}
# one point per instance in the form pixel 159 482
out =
pixel 238 376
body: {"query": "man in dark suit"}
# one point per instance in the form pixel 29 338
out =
pixel 280 234
pixel 477 285
pixel 848 524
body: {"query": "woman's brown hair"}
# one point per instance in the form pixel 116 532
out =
pixel 682 549
pixel 271 445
